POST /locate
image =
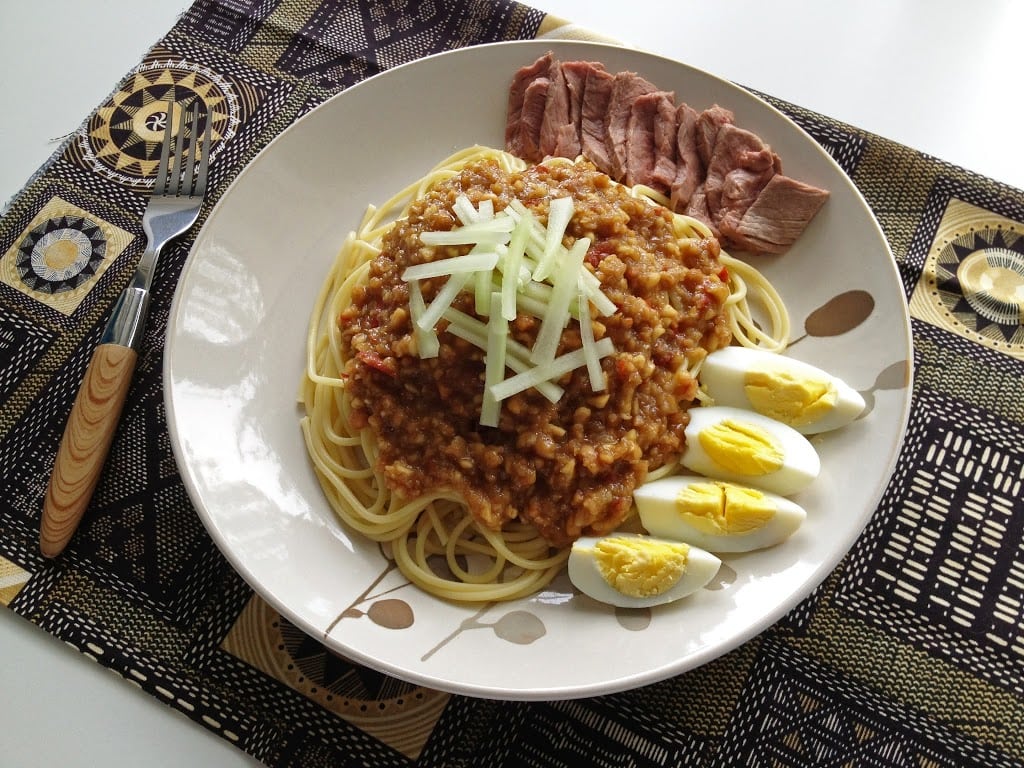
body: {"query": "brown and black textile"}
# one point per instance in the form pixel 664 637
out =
pixel 910 654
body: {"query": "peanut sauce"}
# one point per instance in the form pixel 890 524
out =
pixel 569 468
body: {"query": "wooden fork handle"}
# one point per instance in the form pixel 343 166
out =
pixel 86 442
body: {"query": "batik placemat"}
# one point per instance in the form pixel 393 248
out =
pixel 910 654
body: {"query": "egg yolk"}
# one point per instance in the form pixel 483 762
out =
pixel 793 400
pixel 638 567
pixel 741 447
pixel 718 507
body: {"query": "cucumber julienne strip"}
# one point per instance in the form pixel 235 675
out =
pixel 471 262
pixel 566 283
pixel 560 366
pixel 427 344
pixel 516 357
pixel 443 300
pixel 495 230
pixel 593 359
pixel 494 365
pixel 560 211
pixel 510 275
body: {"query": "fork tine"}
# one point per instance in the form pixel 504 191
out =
pixel 159 186
pixel 187 179
pixel 199 188
pixel 178 164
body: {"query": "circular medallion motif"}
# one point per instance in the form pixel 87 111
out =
pixel 123 138
pixel 348 687
pixel 992 280
pixel 60 254
pixel 979 283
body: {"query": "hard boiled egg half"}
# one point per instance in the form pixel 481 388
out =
pixel 631 570
pixel 745 447
pixel 791 391
pixel 716 515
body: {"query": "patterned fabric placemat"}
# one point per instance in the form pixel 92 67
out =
pixel 910 654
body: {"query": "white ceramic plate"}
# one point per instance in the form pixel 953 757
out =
pixel 235 353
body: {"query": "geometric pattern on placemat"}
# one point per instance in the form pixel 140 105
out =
pixel 140 527
pixel 123 138
pixel 796 711
pixel 61 254
pixel 121 141
pixel 677 721
pixel 399 714
pixel 949 184
pixel 344 42
pixel 972 279
pixel 153 550
pixel 580 732
pixel 941 564
pixel 34 421
pixel 12 578
pixel 21 345
pixel 148 672
pixel 773 701
pixel 140 534
pixel 845 147
pixel 797 622
pixel 228 25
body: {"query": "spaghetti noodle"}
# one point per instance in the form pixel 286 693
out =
pixel 434 538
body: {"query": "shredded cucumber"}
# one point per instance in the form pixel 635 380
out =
pixel 567 280
pixel 517 357
pixel 427 344
pixel 516 266
pixel 471 262
pixel 560 213
pixel 494 365
pixel 495 230
pixel 549 371
pixel 513 263
pixel 443 300
pixel 590 353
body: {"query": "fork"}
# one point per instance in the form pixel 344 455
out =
pixel 172 210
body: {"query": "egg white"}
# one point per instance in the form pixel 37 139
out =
pixel 701 567
pixel 661 515
pixel 801 464
pixel 722 378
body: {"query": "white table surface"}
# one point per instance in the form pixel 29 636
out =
pixel 942 76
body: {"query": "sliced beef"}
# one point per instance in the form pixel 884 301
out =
pixel 698 208
pixel 517 97
pixel 689 167
pixel 597 93
pixel 664 174
pixel 556 122
pixel 778 216
pixel 532 118
pixel 650 159
pixel 570 141
pixel 740 165
pixel 710 168
pixel 626 88
pixel 709 122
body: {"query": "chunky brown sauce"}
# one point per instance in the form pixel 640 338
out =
pixel 570 467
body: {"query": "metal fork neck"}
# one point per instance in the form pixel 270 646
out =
pixel 128 320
